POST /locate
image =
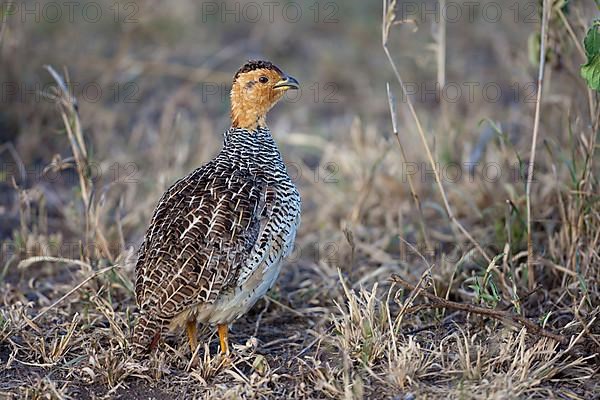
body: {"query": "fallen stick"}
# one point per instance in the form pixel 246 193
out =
pixel 439 302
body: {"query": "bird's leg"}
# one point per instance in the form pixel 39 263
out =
pixel 223 338
pixel 192 334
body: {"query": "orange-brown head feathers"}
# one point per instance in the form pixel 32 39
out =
pixel 257 86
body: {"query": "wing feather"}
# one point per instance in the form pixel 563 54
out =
pixel 202 231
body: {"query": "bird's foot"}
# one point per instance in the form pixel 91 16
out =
pixel 223 338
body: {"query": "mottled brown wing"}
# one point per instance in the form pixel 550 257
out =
pixel 203 228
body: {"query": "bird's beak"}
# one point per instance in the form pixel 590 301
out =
pixel 287 83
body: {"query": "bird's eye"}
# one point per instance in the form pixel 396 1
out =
pixel 263 79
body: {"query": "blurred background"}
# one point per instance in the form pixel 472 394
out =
pixel 151 80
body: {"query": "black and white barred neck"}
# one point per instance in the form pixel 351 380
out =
pixel 254 151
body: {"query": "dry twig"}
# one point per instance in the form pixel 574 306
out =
pixel 439 302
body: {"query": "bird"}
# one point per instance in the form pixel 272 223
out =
pixel 219 236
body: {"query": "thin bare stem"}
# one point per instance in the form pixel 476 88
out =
pixel 26 263
pixel 413 192
pixel 388 20
pixel 68 105
pixel 441 48
pixel 76 288
pixel 536 128
pixel 571 33
pixel 70 116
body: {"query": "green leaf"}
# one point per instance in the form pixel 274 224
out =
pixel 590 71
pixel 592 41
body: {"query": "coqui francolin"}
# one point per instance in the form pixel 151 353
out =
pixel 218 236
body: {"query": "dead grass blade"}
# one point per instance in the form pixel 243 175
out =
pixel 388 21
pixel 536 127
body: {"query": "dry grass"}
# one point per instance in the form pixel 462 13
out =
pixel 336 325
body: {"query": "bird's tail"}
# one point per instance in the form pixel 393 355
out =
pixel 146 333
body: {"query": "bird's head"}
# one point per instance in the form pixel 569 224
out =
pixel 257 86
